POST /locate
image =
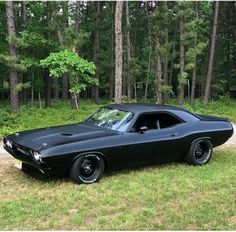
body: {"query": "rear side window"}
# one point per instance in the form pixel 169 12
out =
pixel 155 121
pixel 186 116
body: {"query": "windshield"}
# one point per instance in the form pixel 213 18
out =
pixel 113 119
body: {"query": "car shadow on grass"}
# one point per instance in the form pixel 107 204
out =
pixel 108 173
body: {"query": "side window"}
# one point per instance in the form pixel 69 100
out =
pixel 155 121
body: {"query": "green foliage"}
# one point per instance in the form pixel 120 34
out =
pixel 66 62
pixel 21 86
pixel 27 39
pixel 74 39
pixel 183 78
pixel 31 117
pixel 6 84
pixel 30 62
pixel 12 62
pixel 166 89
pixel 37 38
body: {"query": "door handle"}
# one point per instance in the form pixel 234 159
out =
pixel 173 135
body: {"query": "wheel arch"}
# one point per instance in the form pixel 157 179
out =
pixel 202 138
pixel 106 163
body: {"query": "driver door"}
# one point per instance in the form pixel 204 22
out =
pixel 154 144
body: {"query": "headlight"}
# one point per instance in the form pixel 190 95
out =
pixel 37 156
pixel 9 143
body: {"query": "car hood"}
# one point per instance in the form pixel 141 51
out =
pixel 39 139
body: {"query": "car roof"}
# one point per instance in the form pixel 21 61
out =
pixel 138 108
pixel 143 107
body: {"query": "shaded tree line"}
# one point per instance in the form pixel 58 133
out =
pixel 122 51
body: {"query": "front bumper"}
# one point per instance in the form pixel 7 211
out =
pixel 29 165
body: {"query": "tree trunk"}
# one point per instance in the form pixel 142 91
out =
pixel 111 79
pixel 23 13
pixel 48 81
pixel 212 52
pixel 65 84
pixel 149 54
pixel 65 87
pixel 75 97
pixel 96 53
pixel 195 59
pixel 182 64
pixel 65 76
pixel 24 76
pixel 24 91
pixel 77 18
pixel 165 71
pixel 173 55
pixel 12 48
pixel 129 78
pixel 32 90
pixel 158 72
pixel 55 88
pixel 118 52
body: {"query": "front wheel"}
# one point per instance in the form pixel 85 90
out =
pixel 200 152
pixel 87 169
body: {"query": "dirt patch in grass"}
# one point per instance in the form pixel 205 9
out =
pixel 5 166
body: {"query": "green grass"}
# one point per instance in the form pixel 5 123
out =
pixel 172 196
pixel 33 117
pixel 224 107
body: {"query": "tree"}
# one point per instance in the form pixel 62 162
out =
pixel 182 74
pixel 212 52
pixel 118 52
pixel 65 86
pixel 159 80
pixel 149 53
pixel 48 80
pixel 159 59
pixel 195 59
pixel 69 62
pixel 111 78
pixel 12 48
pixel 128 48
pixel 96 51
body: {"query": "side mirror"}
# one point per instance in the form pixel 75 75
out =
pixel 142 129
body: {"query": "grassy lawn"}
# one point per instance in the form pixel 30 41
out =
pixel 170 196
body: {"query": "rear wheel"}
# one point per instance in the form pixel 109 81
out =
pixel 87 169
pixel 200 152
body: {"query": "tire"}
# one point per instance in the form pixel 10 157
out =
pixel 200 152
pixel 87 169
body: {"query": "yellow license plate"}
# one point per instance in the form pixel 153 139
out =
pixel 18 164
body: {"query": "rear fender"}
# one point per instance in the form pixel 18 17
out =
pixel 202 138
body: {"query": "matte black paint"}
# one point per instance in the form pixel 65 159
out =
pixel 59 146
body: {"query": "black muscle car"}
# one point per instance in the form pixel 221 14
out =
pixel 118 135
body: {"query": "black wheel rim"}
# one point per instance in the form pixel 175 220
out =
pixel 88 167
pixel 202 151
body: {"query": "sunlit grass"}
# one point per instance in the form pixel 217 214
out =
pixel 172 196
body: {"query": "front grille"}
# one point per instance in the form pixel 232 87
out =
pixel 22 151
